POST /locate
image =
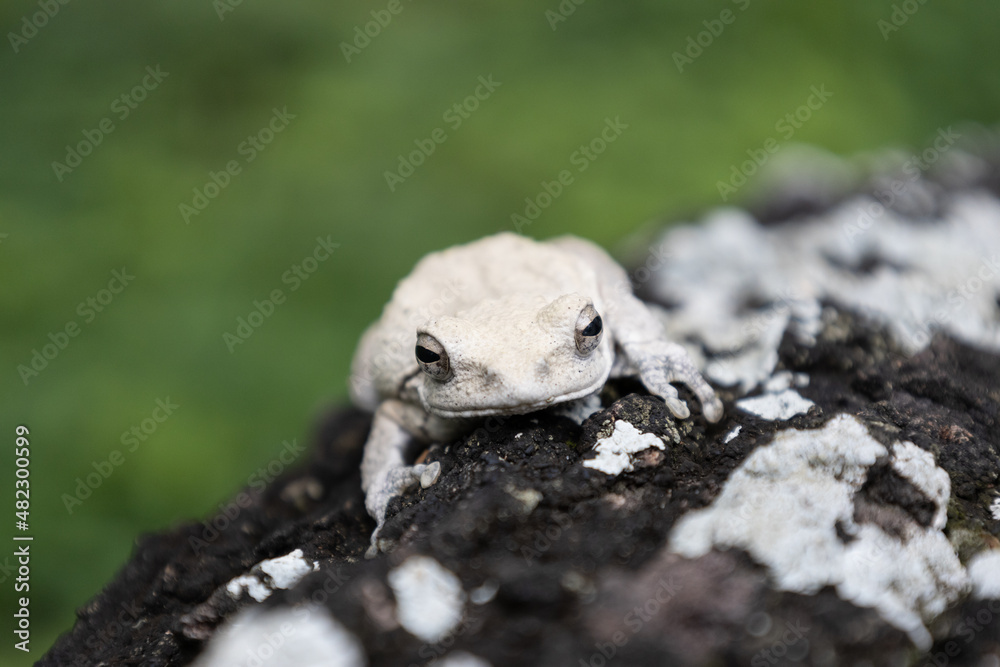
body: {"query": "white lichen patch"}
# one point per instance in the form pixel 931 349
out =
pixel 783 506
pixel 984 574
pixel 288 569
pixel 785 380
pixel 778 406
pixel 909 581
pixel 729 437
pixel 429 598
pixel 306 636
pixel 749 365
pixel 995 509
pixel 484 594
pixel 940 275
pixel 268 575
pixel 614 453
pixel 247 583
pixel 528 499
pixel 917 465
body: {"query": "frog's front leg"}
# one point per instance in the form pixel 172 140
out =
pixel 638 333
pixel 658 361
pixel 661 362
pixel 384 471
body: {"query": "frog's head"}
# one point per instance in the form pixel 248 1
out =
pixel 512 355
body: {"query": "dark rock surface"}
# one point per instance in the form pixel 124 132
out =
pixel 561 564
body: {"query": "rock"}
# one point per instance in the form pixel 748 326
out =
pixel 844 511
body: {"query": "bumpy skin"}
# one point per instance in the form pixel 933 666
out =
pixel 508 312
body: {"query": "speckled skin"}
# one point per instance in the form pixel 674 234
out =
pixel 507 310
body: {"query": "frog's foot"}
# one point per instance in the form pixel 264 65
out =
pixel 387 485
pixel 661 363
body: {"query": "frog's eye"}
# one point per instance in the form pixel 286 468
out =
pixel 589 328
pixel 432 357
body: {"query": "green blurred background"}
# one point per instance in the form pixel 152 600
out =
pixel 324 175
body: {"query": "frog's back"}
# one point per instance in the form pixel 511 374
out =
pixel 491 267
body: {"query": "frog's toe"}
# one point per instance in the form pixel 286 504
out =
pixel 399 480
pixel 379 545
pixel 711 406
pixel 669 395
pixel 373 547
pixel 430 474
pixel 372 550
pixel 677 407
pixel 391 483
pixel 712 409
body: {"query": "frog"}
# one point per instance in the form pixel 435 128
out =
pixel 503 325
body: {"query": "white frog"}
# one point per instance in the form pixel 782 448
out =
pixel 500 326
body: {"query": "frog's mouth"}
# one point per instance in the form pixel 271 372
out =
pixel 519 409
